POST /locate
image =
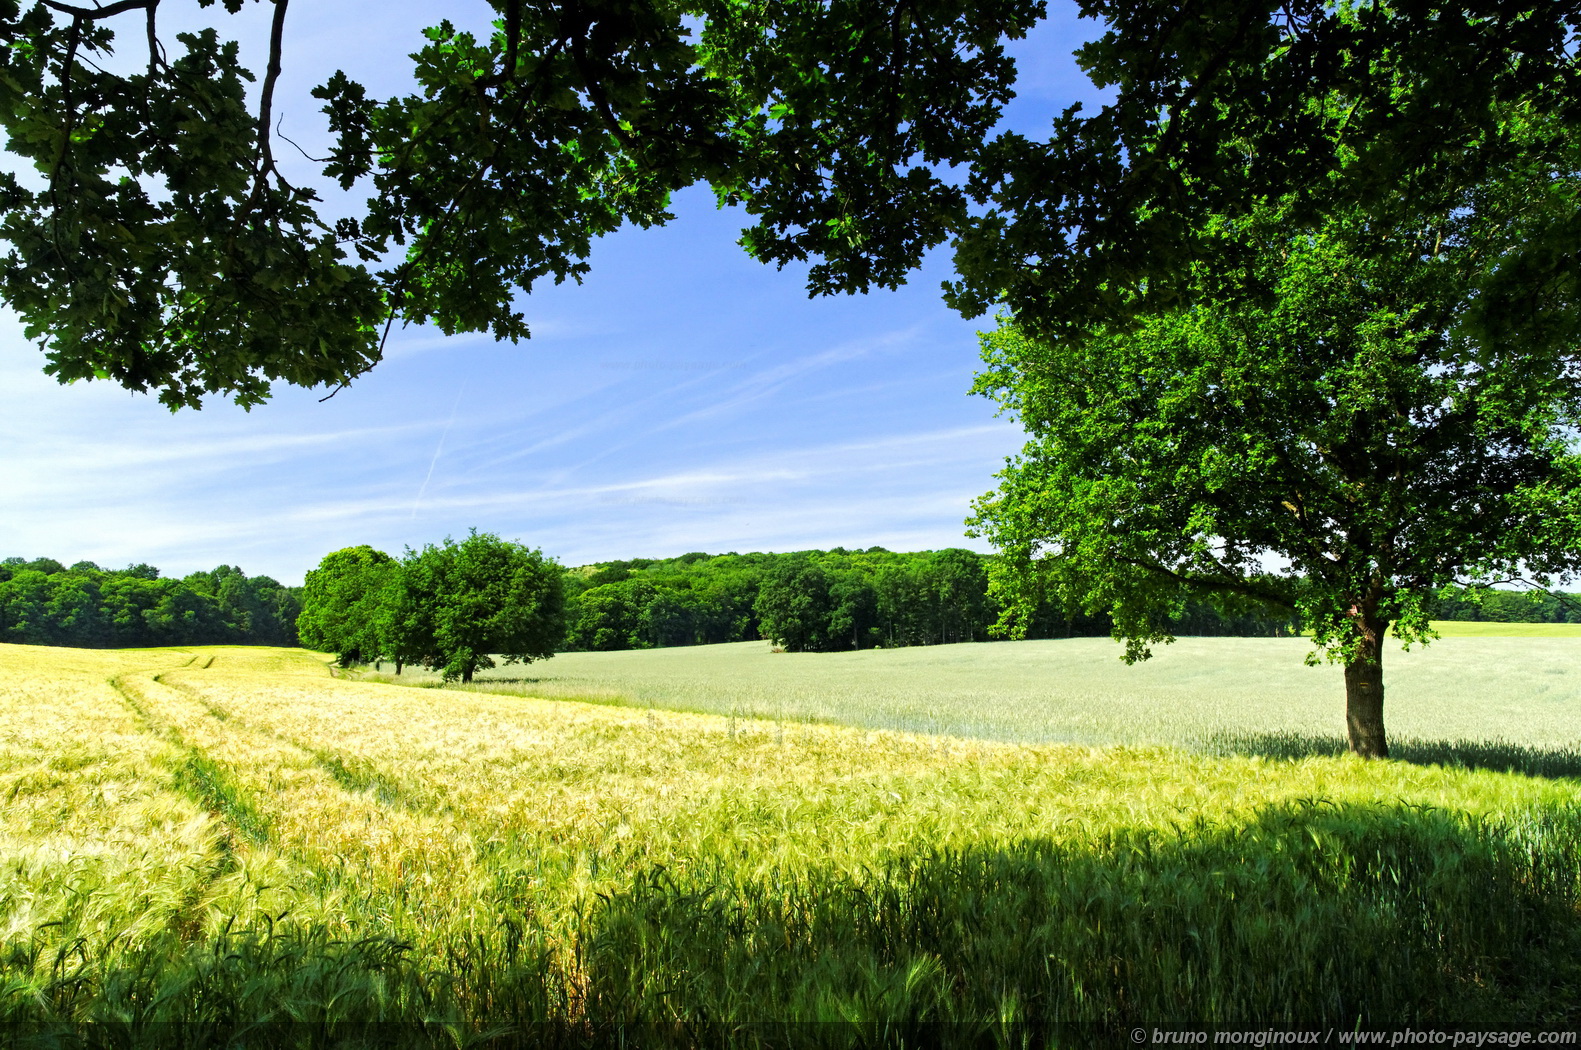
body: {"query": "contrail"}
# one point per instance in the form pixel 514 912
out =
pixel 439 448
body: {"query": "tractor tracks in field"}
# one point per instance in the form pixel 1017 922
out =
pixel 206 781
pixel 361 778
pixel 195 773
pixel 326 811
pixel 249 778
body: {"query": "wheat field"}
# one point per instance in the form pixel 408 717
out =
pixel 1473 692
pixel 222 838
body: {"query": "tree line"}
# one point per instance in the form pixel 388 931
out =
pixel 825 601
pixel 1491 606
pixel 43 602
pixel 455 606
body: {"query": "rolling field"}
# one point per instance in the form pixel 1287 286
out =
pixel 226 837
pixel 1472 694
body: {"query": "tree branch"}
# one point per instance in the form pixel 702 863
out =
pixel 513 24
pixel 1240 587
pixel 68 121
pixel 287 139
pixel 266 102
pixel 596 92
pixel 155 55
pixel 93 14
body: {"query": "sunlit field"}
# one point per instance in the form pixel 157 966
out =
pixel 226 837
pixel 1470 689
pixel 1466 629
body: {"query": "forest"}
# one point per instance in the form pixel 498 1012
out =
pixel 43 602
pixel 825 601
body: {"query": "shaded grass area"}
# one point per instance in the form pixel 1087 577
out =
pixel 1496 755
pixel 467 869
pixel 1306 914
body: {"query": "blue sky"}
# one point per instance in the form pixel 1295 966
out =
pixel 682 398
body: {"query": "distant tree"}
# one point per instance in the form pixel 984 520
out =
pixel 672 616
pixel 141 571
pixel 853 612
pixel 128 602
pixel 1505 606
pixel 609 616
pixel 615 572
pixel 343 604
pixel 273 611
pixel 1339 424
pixel 480 598
pixel 900 590
pixel 184 615
pixel 74 611
pixel 958 593
pixel 238 603
pixel 794 605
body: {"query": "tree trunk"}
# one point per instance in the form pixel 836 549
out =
pixel 397 668
pixel 466 676
pixel 1364 685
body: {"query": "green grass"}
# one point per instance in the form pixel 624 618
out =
pixel 1459 696
pixel 244 840
pixel 1477 629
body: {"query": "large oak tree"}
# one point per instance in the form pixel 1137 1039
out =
pixel 1342 420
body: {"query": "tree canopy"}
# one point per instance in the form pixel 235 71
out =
pixel 166 251
pixel 467 602
pixel 346 603
pixel 157 244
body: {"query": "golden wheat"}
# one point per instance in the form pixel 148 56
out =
pixel 234 832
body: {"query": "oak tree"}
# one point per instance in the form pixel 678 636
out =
pixel 345 605
pixel 477 599
pixel 1343 420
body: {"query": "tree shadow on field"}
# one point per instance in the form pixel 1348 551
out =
pixel 1494 755
pixel 1309 914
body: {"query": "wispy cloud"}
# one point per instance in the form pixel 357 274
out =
pixel 438 449
pixel 680 401
pixel 761 385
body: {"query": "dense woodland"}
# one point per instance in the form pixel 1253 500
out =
pixel 43 602
pixel 822 601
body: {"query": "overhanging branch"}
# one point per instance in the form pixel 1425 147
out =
pixel 93 14
pixel 1223 586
